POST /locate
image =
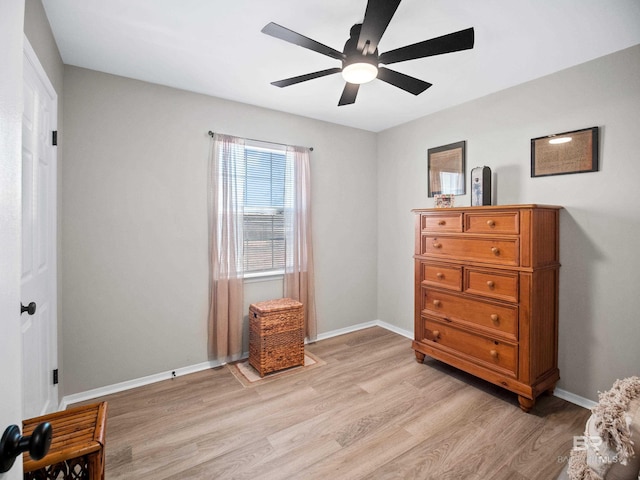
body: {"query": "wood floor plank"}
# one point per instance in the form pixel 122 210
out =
pixel 361 460
pixel 371 411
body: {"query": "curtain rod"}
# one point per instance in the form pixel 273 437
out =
pixel 211 134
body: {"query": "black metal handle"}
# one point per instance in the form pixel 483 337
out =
pixel 13 444
pixel 30 309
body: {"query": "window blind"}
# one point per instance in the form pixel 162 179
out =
pixel 264 230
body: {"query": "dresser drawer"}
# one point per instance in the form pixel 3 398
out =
pixel 504 223
pixel 498 251
pixel 441 275
pixel 503 319
pixel 497 354
pixel 442 222
pixel 492 283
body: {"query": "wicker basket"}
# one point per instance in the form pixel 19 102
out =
pixel 276 335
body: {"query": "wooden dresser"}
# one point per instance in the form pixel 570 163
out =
pixel 486 294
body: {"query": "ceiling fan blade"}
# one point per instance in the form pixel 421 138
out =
pixel 376 19
pixel 453 42
pixel 400 80
pixel 290 36
pixel 303 78
pixel 349 94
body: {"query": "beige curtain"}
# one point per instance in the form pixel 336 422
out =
pixel 226 199
pixel 298 276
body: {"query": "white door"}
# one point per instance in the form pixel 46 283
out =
pixel 11 26
pixel 38 280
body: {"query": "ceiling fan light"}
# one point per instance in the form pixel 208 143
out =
pixel 359 73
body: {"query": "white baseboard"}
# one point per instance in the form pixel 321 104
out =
pixel 362 326
pixel 395 329
pixel 343 331
pixel 158 377
pixel 134 383
pixel 576 399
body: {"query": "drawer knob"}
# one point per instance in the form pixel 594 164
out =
pixel 491 223
pixel 436 335
pixel 490 284
pixel 442 222
pixel 495 250
pixel 437 245
pixel 440 275
pixel 437 303
pixel 494 353
pixel 494 317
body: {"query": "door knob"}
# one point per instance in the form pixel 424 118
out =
pixel 13 444
pixel 30 309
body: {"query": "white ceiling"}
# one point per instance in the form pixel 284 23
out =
pixel 215 47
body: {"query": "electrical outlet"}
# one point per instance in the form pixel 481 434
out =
pixel 173 374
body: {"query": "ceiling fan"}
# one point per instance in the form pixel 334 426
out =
pixel 360 58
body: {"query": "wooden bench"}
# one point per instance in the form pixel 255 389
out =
pixel 77 446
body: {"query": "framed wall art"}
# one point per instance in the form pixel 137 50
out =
pixel 563 153
pixel 445 172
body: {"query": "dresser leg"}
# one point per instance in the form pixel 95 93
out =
pixel 419 356
pixel 526 404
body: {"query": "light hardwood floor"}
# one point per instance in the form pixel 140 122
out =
pixel 371 412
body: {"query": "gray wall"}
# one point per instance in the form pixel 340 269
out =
pixel 600 225
pixel 38 31
pixel 134 224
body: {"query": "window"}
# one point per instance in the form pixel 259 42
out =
pixel 264 231
pixel 258 200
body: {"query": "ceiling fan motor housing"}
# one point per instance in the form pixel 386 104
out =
pixel 351 53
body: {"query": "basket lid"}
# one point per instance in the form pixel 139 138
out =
pixel 275 305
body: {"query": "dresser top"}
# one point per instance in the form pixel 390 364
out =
pixel 487 207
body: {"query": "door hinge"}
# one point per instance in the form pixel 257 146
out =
pixel 54 138
pixel 55 377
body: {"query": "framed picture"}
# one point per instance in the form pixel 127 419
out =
pixel 444 200
pixel 562 153
pixel 445 172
